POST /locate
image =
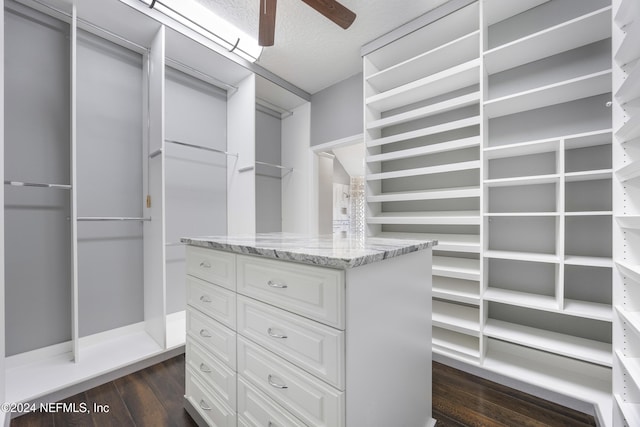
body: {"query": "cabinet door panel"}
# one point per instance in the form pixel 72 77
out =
pixel 213 266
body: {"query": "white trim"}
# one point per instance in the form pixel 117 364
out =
pixel 338 143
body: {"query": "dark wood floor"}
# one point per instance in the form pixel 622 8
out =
pixel 153 397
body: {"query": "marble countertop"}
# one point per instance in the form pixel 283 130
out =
pixel 326 251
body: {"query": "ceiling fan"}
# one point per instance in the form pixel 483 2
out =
pixel 331 9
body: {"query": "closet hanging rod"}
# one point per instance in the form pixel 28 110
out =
pixel 273 107
pixel 216 82
pixel 92 25
pixel 200 147
pixel 112 218
pixel 37 184
pixel 274 166
pixel 174 244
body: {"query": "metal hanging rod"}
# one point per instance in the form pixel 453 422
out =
pixel 94 26
pixel 270 108
pixel 112 218
pixel 216 82
pixel 274 166
pixel 174 244
pixel 199 147
pixel 37 184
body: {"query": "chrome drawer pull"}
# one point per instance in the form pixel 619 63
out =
pixel 276 385
pixel 205 298
pixel 205 264
pixel 204 368
pixel 277 285
pixel 204 405
pixel 205 333
pixel 274 335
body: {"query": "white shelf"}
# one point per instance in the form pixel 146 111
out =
pixel 499 10
pixel 431 130
pixel 587 382
pixel 630 411
pixel 626 13
pixel 429 110
pixel 450 289
pixel 577 32
pixel 521 214
pixel 566 345
pixel 630 88
pixel 452 343
pixel 588 261
pixel 446 242
pixel 446 81
pixel 631 365
pixel 557 93
pixel 448 55
pixel 632 271
pixel 430 170
pixel 630 130
pixel 431 217
pixel 592 175
pixel 455 317
pixel 588 139
pixel 589 213
pixel 629 171
pixel 629 48
pixel 522 149
pixel 631 317
pixel 523 180
pixel 629 221
pixel 457 268
pixel 435 194
pixel 521 299
pixel 441 147
pixel 523 256
pixel 588 310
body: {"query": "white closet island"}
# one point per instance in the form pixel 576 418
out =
pixel 284 329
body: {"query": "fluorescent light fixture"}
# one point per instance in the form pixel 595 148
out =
pixel 203 21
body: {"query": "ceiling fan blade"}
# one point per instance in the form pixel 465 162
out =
pixel 267 24
pixel 333 11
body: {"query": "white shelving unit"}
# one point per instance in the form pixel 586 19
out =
pixel 626 252
pixel 423 133
pixel 525 289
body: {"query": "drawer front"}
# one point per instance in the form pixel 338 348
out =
pixel 214 301
pixel 218 339
pixel 255 409
pixel 313 292
pixel 213 266
pixel 216 375
pixel 311 400
pixel 207 403
pixel 317 348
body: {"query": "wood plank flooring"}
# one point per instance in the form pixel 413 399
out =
pixel 153 397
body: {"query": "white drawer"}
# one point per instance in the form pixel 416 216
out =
pixel 308 398
pixel 216 375
pixel 213 336
pixel 317 348
pixel 207 403
pixel 213 266
pixel 214 301
pixel 313 292
pixel 255 409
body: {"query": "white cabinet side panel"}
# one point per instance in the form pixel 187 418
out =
pixel 241 177
pixel 297 185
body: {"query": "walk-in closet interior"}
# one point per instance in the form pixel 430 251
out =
pixel 506 130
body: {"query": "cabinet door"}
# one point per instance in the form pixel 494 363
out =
pixel 313 292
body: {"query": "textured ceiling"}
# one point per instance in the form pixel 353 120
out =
pixel 310 51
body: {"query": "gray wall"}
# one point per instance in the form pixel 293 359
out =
pixel 337 111
pixel 268 180
pixel 37 232
pixel 196 180
pixel 109 183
